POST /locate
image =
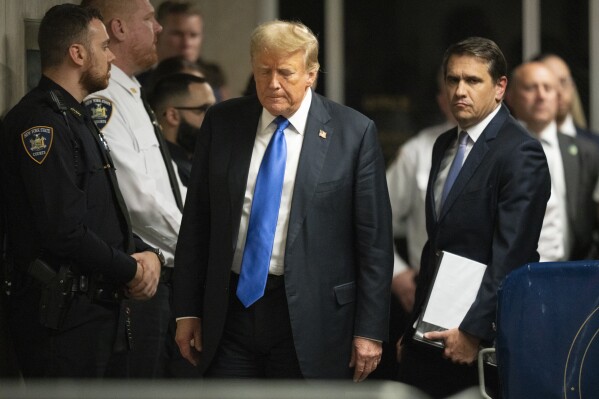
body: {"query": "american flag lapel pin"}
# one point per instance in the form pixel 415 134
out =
pixel 322 134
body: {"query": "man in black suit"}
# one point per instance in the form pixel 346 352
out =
pixel 323 308
pixel 491 214
pixel 570 223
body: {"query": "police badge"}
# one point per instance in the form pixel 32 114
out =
pixel 100 110
pixel 37 142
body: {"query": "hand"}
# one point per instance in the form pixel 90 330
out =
pixel 460 347
pixel 398 347
pixel 189 338
pixel 365 357
pixel 404 287
pixel 144 284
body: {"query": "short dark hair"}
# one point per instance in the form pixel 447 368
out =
pixel 170 87
pixel 171 7
pixel 482 48
pixel 62 26
pixel 169 66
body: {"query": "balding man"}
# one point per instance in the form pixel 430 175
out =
pixel 570 219
pixel 567 122
pixel 150 185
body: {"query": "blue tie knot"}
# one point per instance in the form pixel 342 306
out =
pixel 281 122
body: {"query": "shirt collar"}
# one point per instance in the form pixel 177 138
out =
pixel 476 130
pixel 298 120
pixel 567 126
pixel 549 135
pixel 130 84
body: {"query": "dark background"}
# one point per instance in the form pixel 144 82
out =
pixel 394 48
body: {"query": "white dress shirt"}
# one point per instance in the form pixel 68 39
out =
pixel 407 178
pixel 140 168
pixel 294 137
pixel 568 127
pixel 474 133
pixel 554 240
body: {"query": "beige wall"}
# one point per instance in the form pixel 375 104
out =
pixel 228 27
pixel 12 45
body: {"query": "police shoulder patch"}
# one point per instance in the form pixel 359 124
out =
pixel 100 110
pixel 37 142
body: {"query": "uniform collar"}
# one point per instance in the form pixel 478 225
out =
pixel 130 84
pixel 76 108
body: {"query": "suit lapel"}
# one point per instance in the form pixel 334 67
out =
pixel 476 156
pixel 242 139
pixel 569 152
pixel 311 161
pixel 444 143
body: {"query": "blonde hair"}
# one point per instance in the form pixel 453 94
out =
pixel 285 37
pixel 576 108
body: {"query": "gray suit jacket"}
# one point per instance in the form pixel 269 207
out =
pixel 580 157
pixel 338 258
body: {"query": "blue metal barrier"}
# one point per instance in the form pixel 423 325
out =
pixel 548 331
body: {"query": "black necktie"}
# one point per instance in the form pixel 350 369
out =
pixel 166 155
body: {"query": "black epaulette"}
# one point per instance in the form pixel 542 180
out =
pixel 58 104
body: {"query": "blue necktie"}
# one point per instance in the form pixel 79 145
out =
pixel 456 165
pixel 263 218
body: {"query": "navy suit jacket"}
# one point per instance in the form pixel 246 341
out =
pixel 338 257
pixel 493 213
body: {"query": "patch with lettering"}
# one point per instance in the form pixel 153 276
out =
pixel 100 110
pixel 37 142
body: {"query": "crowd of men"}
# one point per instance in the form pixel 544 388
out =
pixel 154 230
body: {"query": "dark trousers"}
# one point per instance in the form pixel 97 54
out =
pixel 424 367
pixel 257 341
pixel 81 348
pixel 149 354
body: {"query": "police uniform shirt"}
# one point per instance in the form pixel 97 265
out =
pixel 60 199
pixel 120 114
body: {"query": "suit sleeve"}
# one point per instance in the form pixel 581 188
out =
pixel 374 240
pixel 522 194
pixel 191 256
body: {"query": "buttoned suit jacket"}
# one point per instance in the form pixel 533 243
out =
pixel 493 213
pixel 338 256
pixel 580 157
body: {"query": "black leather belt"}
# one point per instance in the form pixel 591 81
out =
pixel 273 282
pixel 98 290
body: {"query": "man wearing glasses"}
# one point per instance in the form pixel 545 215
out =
pixel 180 101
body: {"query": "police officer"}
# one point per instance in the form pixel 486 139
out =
pixel 69 237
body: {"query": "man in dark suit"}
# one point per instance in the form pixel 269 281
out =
pixel 491 214
pixel 323 308
pixel 570 223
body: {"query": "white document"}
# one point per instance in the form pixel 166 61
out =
pixel 454 290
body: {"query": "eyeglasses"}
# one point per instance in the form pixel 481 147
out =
pixel 199 110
